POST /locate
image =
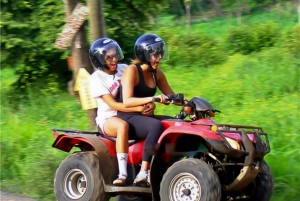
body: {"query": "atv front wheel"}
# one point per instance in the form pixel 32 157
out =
pixel 190 179
pixel 78 178
pixel 264 184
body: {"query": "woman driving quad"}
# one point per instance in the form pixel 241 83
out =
pixel 138 87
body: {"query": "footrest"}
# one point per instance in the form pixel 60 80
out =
pixel 127 189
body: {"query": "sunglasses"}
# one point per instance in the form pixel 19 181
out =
pixel 156 54
pixel 111 57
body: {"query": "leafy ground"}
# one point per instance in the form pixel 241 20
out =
pixel 5 196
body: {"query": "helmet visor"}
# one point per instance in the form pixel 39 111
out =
pixel 109 53
pixel 157 50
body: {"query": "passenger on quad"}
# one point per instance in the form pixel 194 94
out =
pixel 104 54
pixel 138 87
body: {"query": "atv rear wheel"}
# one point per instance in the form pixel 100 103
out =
pixel 190 179
pixel 264 184
pixel 78 178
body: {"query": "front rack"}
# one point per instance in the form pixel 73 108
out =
pixel 262 147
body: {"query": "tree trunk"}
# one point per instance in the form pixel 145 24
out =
pixel 80 58
pixel 102 18
pixel 188 16
pixel 299 11
pixel 96 19
pixel 217 7
pixel 67 10
pixel 239 18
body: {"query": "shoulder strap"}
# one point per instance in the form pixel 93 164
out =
pixel 141 76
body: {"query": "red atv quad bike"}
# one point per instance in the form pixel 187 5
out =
pixel 194 160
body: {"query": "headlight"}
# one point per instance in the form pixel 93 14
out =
pixel 234 144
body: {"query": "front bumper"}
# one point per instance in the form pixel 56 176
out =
pixel 253 152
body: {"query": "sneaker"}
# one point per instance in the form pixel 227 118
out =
pixel 120 181
pixel 141 180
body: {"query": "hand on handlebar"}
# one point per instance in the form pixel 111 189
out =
pixel 160 98
pixel 177 99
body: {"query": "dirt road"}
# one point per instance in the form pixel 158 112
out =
pixel 5 196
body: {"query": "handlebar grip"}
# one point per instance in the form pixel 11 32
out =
pixel 156 99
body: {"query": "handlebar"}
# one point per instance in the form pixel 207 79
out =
pixel 196 108
pixel 178 98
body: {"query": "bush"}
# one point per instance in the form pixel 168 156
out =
pixel 251 38
pixel 199 50
pixel 291 40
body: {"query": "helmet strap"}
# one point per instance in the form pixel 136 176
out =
pixel 153 72
pixel 107 68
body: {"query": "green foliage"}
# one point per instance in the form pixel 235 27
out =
pixel 238 6
pixel 30 28
pixel 291 40
pixel 199 50
pixel 28 161
pixel 245 40
pixel 28 34
pixel 27 39
pixel 129 20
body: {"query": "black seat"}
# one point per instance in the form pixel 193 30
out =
pixel 113 139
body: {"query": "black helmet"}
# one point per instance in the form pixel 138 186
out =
pixel 99 49
pixel 150 43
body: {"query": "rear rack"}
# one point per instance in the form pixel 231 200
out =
pixel 75 131
pixel 113 139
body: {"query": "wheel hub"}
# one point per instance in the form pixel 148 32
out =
pixel 75 184
pixel 185 187
pixel 186 192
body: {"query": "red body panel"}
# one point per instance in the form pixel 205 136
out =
pixel 200 127
pixel 111 146
pixel 135 153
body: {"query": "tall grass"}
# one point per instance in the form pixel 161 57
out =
pixel 28 162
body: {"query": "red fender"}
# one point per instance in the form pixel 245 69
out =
pixel 66 142
pixel 101 147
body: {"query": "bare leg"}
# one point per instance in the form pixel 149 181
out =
pixel 118 128
pixel 145 165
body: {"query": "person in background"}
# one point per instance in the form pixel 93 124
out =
pixel 138 87
pixel 104 83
